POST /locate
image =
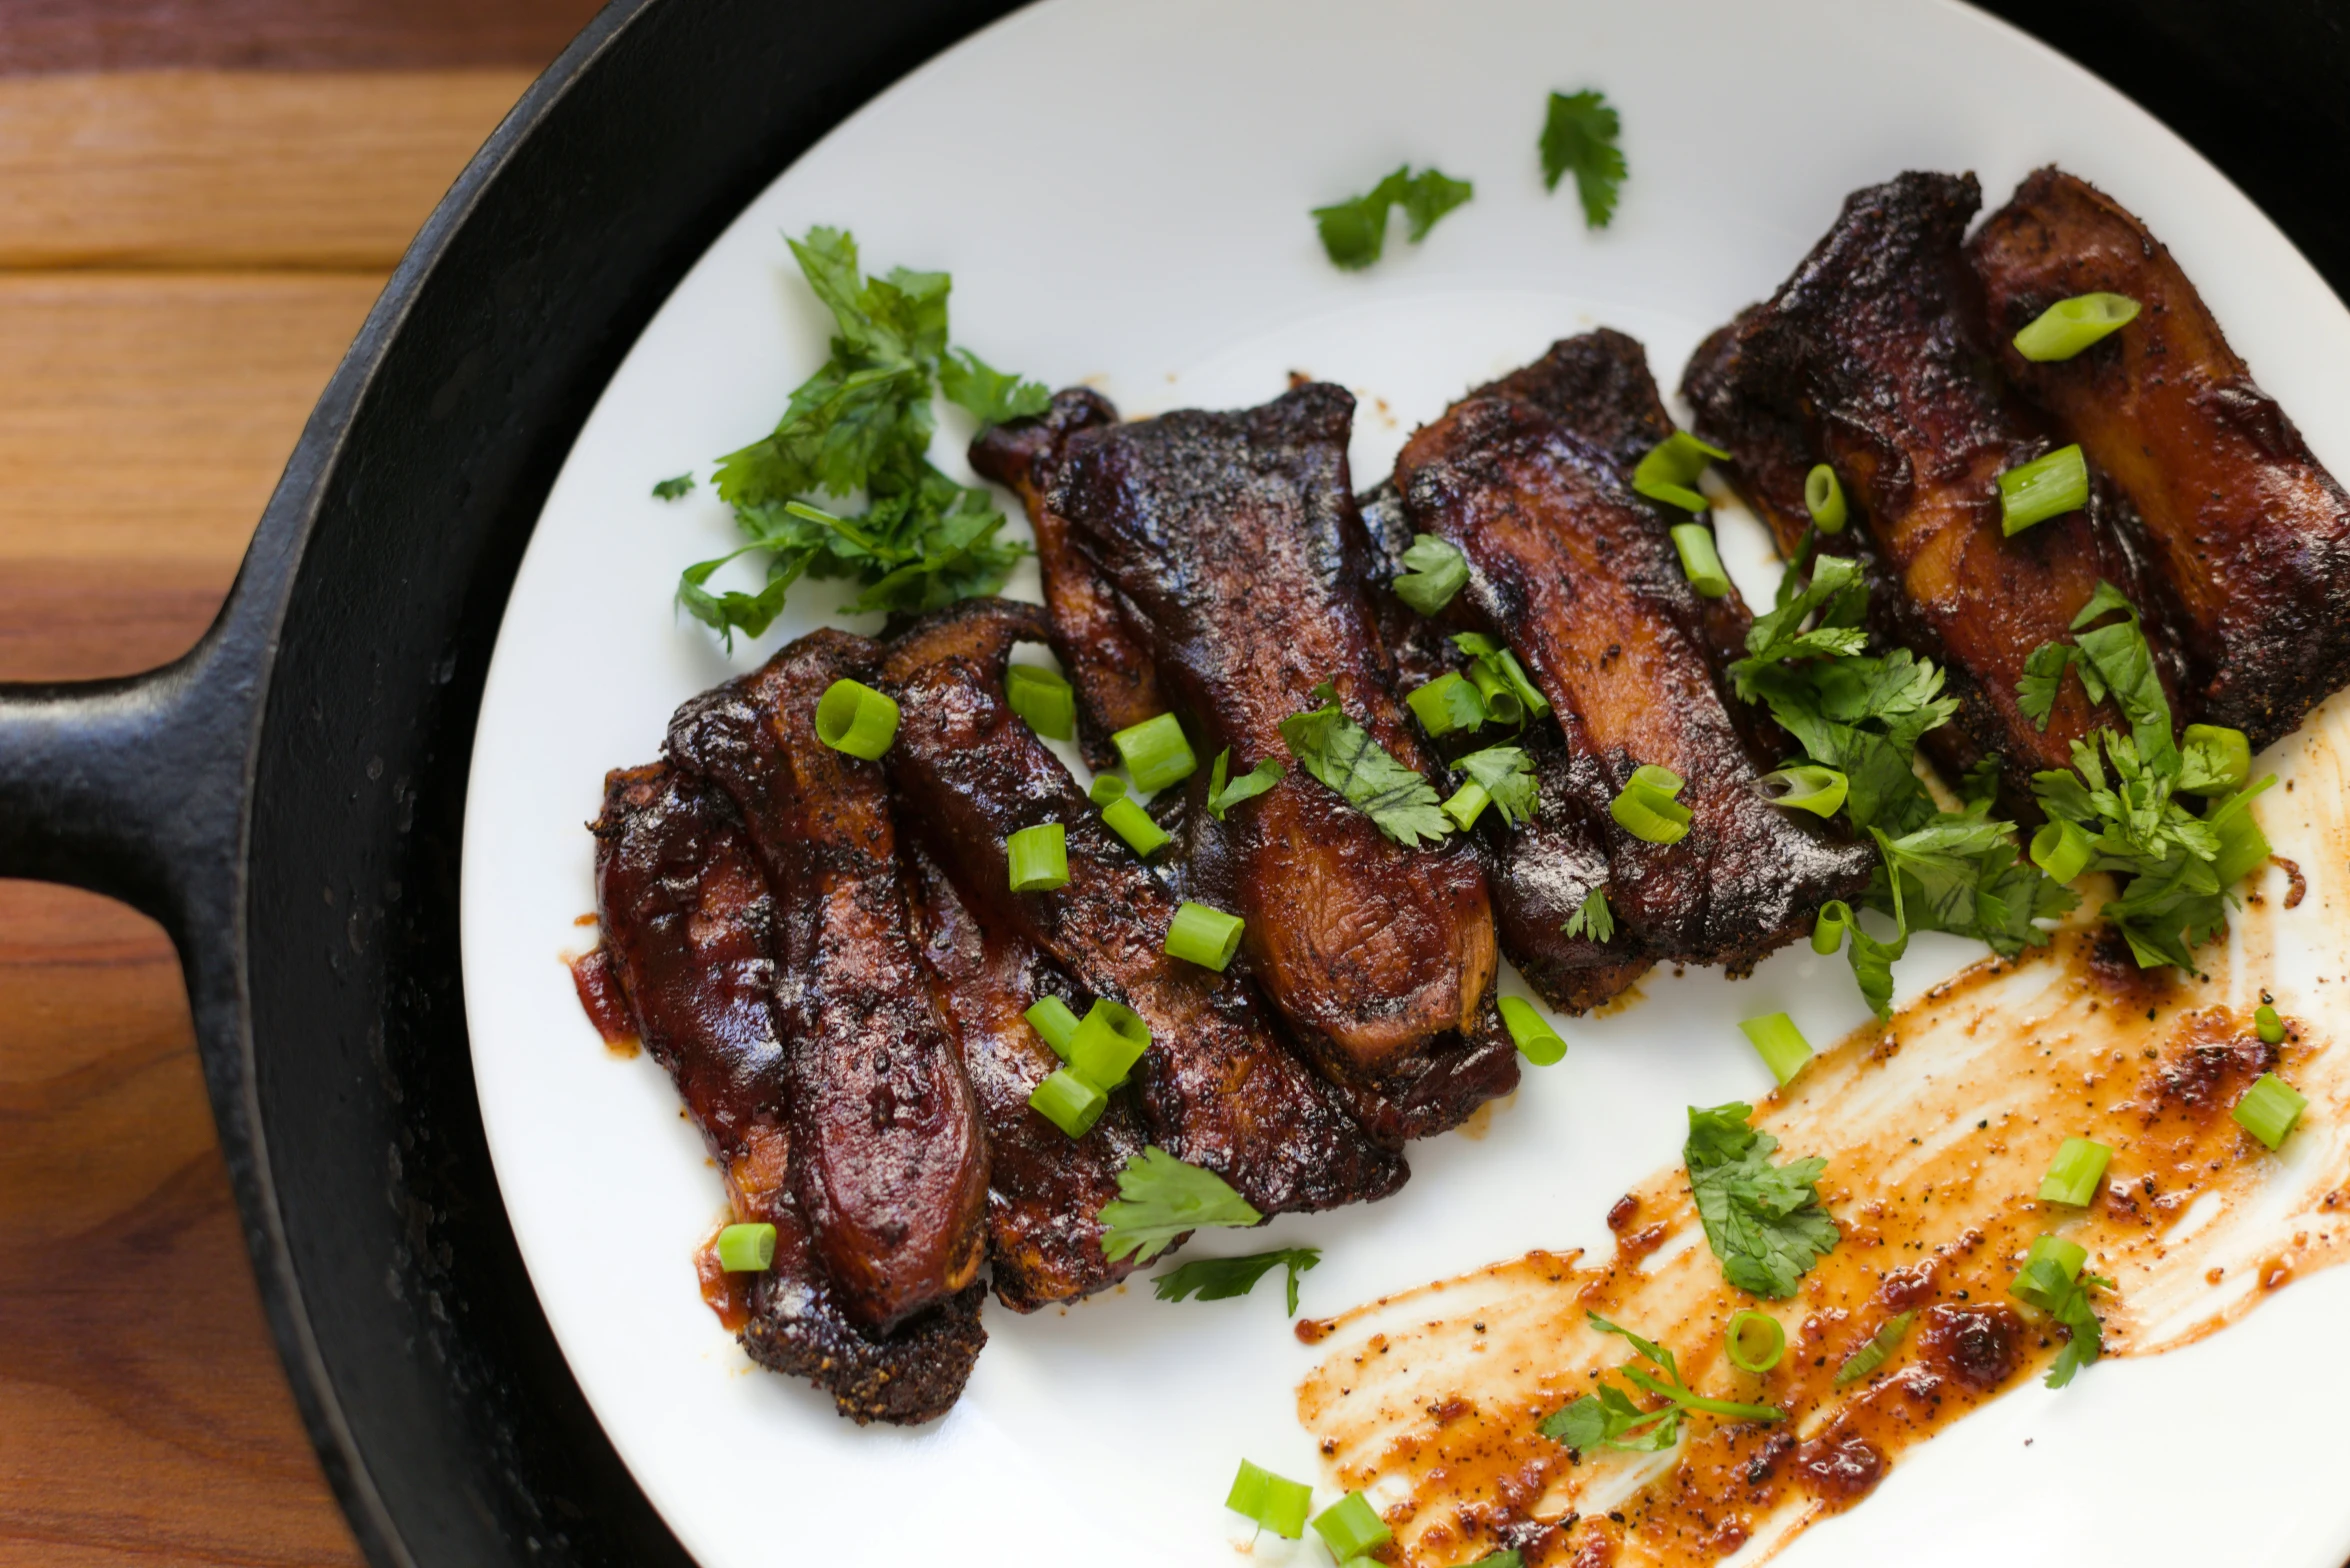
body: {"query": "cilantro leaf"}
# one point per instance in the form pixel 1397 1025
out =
pixel 1579 132
pixel 1215 1279
pixel 1342 754
pixel 989 395
pixel 1506 774
pixel 673 489
pixel 1763 1221
pixel 1159 1198
pixel 1607 1417
pixel 1592 918
pixel 2035 691
pixel 1354 231
pixel 1434 570
pixel 1222 797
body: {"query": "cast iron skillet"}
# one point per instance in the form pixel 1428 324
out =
pixel 286 799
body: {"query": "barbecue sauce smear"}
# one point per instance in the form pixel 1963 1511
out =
pixel 1937 1128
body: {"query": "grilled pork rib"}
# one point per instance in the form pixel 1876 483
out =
pixel 1216 1088
pixel 688 924
pixel 2250 531
pixel 1579 575
pixel 891 1163
pixel 1232 546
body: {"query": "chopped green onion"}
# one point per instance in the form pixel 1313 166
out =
pixel 2269 1109
pixel 1779 1043
pixel 2062 850
pixel 1068 1102
pixel 1827 932
pixel 1351 1527
pixel 1502 702
pixel 1040 858
pixel 1646 808
pixel 2071 325
pixel 2218 759
pixel 1806 787
pixel 1872 1355
pixel 1670 467
pixel 1043 699
pixel 1467 804
pixel 2268 1025
pixel 1507 1557
pixel 1446 704
pixel 1755 1341
pixel 1434 570
pixel 856 719
pixel 2075 1172
pixel 1051 1018
pixel 1156 753
pixel 1500 679
pixel 1108 1043
pixel 1124 816
pixel 1823 497
pixel 2049 1272
pixel 2045 487
pixel 1700 563
pixel 746 1249
pixel 1277 1503
pixel 1204 936
pixel 1536 1040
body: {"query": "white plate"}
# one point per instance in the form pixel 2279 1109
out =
pixel 1120 191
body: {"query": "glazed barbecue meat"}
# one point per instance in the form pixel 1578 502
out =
pixel 891 1164
pixel 1116 679
pixel 1045 1190
pixel 1232 544
pixel 2251 533
pixel 1216 1087
pixel 687 925
pixel 1580 576
pixel 1874 357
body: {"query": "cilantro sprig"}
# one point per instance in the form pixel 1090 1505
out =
pixel 1160 1198
pixel 1216 1279
pixel 1342 754
pixel 862 425
pixel 1764 1222
pixel 1579 132
pixel 1592 918
pixel 1608 1417
pixel 1354 231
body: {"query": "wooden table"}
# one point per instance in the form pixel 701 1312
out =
pixel 199 199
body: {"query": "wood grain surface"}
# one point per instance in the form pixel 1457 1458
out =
pixel 184 255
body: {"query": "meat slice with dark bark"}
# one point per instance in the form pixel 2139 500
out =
pixel 1045 1190
pixel 2248 529
pixel 1233 545
pixel 1874 357
pixel 1217 1087
pixel 688 927
pixel 1580 576
pixel 891 1163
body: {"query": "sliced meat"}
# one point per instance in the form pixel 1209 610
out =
pixel 1216 1088
pixel 688 924
pixel 1045 1190
pixel 1874 357
pixel 2250 532
pixel 1580 576
pixel 890 1163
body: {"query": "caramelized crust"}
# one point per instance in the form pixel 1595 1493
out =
pixel 1045 1190
pixel 890 1163
pixel 688 925
pixel 1580 577
pixel 1874 357
pixel 1236 541
pixel 1216 1088
pixel 2251 534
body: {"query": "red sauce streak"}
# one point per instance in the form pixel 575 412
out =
pixel 728 1295
pixel 1841 1469
pixel 2300 883
pixel 606 1004
pixel 1621 1214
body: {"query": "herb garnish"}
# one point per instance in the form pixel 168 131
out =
pixel 1222 797
pixel 1579 133
pixel 1433 571
pixel 863 423
pixel 1592 918
pixel 1354 231
pixel 2051 1279
pixel 673 489
pixel 1214 1279
pixel 1609 1419
pixel 1506 774
pixel 1159 1198
pixel 1342 754
pixel 1763 1221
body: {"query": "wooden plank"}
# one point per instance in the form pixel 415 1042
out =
pixel 144 419
pixel 127 35
pixel 143 1413
pixel 216 169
